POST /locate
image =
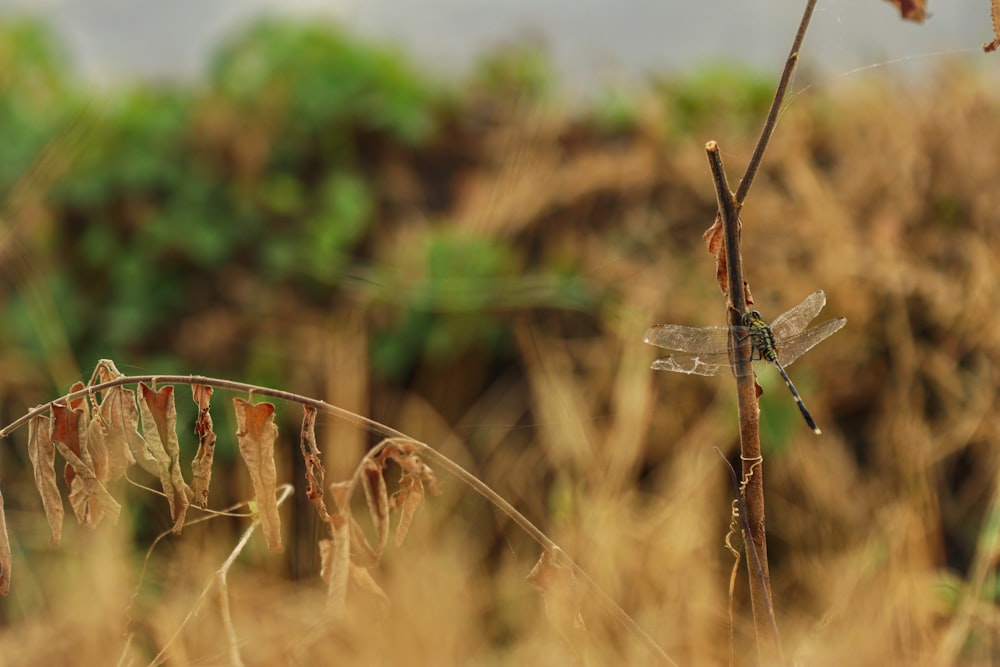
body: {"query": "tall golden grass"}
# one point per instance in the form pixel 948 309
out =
pixel 881 543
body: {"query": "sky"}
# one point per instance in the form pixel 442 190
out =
pixel 592 42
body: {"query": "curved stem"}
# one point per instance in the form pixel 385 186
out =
pixel 392 435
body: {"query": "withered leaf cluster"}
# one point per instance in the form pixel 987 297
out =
pixel 348 555
pixel 104 430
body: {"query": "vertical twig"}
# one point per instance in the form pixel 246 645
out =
pixel 768 640
pixel 746 391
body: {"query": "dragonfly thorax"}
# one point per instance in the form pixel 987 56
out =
pixel 761 337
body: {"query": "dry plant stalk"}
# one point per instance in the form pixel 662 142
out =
pixel 723 241
pixel 127 430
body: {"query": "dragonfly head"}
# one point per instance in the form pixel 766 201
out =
pixel 750 317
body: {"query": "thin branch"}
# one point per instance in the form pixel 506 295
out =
pixel 393 436
pixel 749 412
pixel 220 579
pixel 772 115
pixel 752 556
pixel 214 382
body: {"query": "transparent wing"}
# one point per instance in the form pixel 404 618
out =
pixel 798 318
pixel 697 340
pixel 706 363
pixel 794 347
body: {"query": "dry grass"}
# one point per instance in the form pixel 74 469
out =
pixel 883 196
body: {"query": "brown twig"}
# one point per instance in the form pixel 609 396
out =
pixel 749 414
pixel 772 115
pixel 220 580
pixel 730 204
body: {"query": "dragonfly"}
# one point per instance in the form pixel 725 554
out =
pixel 706 350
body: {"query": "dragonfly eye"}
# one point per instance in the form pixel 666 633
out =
pixel 755 315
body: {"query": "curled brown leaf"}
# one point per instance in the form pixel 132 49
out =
pixel 911 10
pixel 159 429
pixel 715 241
pixel 98 449
pixel 995 13
pixel 120 418
pixel 560 593
pixel 119 456
pixel 42 454
pixel 361 551
pixel 335 553
pixel 409 497
pixel 88 497
pixel 363 581
pixel 256 432
pixel 105 371
pixel 377 498
pixel 336 565
pixel 201 467
pixel 315 472
pixel 68 427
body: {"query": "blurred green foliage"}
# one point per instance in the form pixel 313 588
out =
pixel 715 93
pixel 519 71
pixel 269 174
pixel 268 181
pixel 326 81
pixel 35 95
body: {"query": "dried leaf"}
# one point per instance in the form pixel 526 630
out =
pixel 256 432
pixel 108 449
pixel 995 12
pixel 715 241
pixel 377 497
pixel 341 492
pixel 560 593
pixel 68 429
pixel 204 429
pixel 98 450
pixel 411 463
pixel 5 559
pixel 159 429
pixel 410 495
pixel 336 564
pixel 362 578
pixel 336 553
pixel 911 10
pixel 88 497
pixel 120 422
pixel 315 472
pixel 361 551
pixel 42 453
pixel 105 371
pixel 80 402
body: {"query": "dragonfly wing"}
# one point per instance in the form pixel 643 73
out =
pixel 696 340
pixel 792 348
pixel 798 318
pixel 694 364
